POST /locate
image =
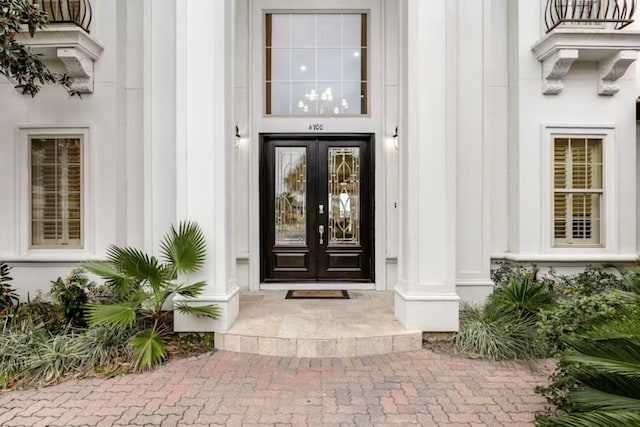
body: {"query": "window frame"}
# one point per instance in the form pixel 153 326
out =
pixel 365 64
pixel 609 200
pixel 26 248
pixel 252 99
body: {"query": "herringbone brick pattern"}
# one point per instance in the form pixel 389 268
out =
pixel 236 389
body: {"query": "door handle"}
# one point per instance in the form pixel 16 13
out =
pixel 321 232
pixel 321 209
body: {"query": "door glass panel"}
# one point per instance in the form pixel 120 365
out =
pixel 344 196
pixel 291 196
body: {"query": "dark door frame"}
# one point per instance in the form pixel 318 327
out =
pixel 369 140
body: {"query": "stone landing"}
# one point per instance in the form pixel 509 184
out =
pixel 364 325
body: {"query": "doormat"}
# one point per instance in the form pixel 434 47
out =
pixel 317 294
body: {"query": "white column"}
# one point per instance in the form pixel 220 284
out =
pixel 205 148
pixel 425 296
pixel 159 99
pixel 473 236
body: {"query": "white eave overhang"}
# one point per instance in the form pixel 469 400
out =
pixel 613 50
pixel 70 44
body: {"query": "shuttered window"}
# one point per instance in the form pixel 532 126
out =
pixel 56 192
pixel 578 191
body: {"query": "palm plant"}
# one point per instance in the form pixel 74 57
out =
pixel 495 334
pixel 606 365
pixel 523 296
pixel 144 283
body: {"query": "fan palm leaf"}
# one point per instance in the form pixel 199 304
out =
pixel 121 315
pixel 191 290
pixel 185 248
pixel 210 311
pixel 117 279
pixel 594 419
pixel 589 398
pixel 148 347
pixel 138 265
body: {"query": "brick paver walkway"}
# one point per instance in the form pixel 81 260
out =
pixel 240 389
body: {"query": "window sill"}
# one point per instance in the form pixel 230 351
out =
pixel 566 257
pixel 52 255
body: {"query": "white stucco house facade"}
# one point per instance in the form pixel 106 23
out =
pixel 388 145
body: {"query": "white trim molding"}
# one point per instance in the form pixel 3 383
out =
pixel 22 202
pixel 609 220
pixel 564 258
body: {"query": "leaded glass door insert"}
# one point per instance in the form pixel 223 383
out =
pixel 290 196
pixel 344 196
pixel 317 208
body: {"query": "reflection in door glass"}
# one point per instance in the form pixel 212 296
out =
pixel 344 196
pixel 291 196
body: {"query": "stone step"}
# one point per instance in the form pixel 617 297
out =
pixel 271 325
pixel 319 347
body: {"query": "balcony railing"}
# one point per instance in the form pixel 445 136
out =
pixel 76 12
pixel 611 14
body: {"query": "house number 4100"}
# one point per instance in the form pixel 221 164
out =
pixel 316 127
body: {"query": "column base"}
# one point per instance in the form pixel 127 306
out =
pixel 229 307
pixel 474 291
pixel 428 313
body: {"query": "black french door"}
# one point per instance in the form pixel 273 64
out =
pixel 316 208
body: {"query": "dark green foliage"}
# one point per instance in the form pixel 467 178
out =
pixel 42 313
pixel 8 296
pixel 143 283
pixel 17 62
pixel 522 296
pixel 32 356
pixel 505 328
pixel 494 334
pixel 507 272
pixel 71 294
pixel 576 314
pixel 597 382
pixel 605 368
pixel 591 281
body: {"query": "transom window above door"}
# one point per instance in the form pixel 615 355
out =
pixel 316 64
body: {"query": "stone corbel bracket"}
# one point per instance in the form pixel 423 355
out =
pixel 79 67
pixel 610 69
pixel 76 49
pixel 554 68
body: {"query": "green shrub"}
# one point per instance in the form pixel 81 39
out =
pixel 32 356
pixel 521 296
pixel 591 281
pixel 101 294
pixel 508 272
pixel 41 312
pixel 577 313
pixel 493 334
pixel 71 294
pixel 108 347
pixel 600 383
pixel 8 296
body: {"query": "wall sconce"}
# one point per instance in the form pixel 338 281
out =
pixel 396 142
pixel 237 137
